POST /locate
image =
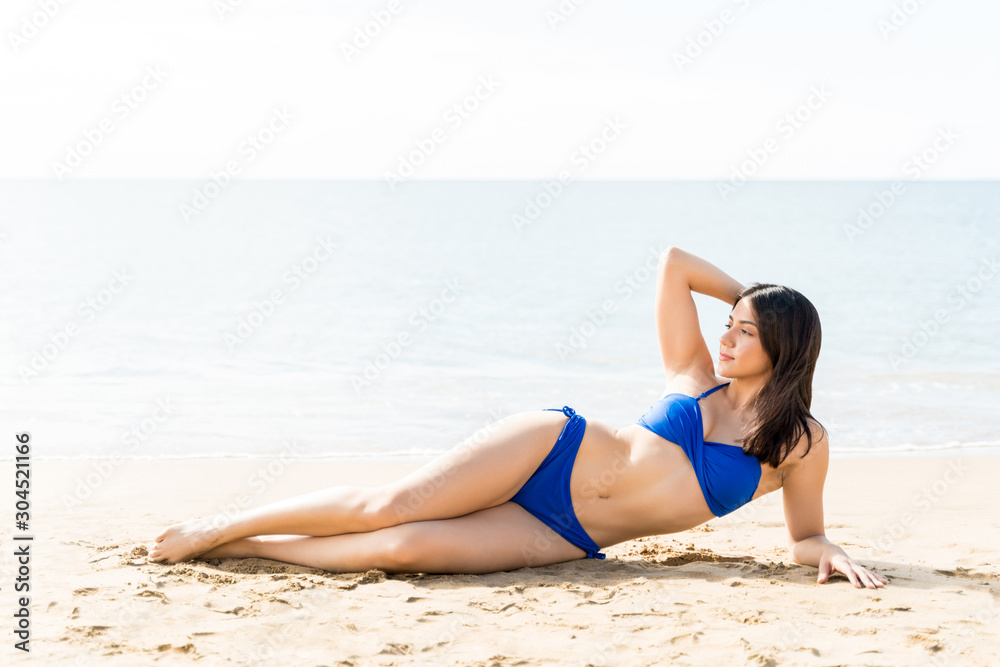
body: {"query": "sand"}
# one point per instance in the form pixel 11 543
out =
pixel 725 593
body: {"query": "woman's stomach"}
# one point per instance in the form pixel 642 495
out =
pixel 630 482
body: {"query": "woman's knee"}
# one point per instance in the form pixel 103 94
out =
pixel 397 504
pixel 403 549
pixel 387 506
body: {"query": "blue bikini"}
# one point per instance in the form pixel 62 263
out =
pixel 547 496
pixel 728 477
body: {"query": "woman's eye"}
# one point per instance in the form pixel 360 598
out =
pixel 745 331
pixel 726 326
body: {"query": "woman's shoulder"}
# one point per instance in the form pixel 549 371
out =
pixel 692 382
pixel 811 449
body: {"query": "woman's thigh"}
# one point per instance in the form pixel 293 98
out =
pixel 485 470
pixel 505 537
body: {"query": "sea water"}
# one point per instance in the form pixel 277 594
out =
pixel 313 319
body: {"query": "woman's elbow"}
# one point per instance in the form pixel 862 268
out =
pixel 673 261
pixel 671 254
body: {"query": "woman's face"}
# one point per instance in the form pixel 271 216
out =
pixel 741 354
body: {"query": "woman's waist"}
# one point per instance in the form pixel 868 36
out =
pixel 628 455
pixel 635 479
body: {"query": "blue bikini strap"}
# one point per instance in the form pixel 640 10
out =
pixel 712 390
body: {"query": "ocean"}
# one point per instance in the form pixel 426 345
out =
pixel 308 319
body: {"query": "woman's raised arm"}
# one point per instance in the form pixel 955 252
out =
pixel 681 344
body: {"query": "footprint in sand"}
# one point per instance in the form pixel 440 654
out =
pixel 396 649
pixel 150 593
pixel 494 608
pixel 186 648
pixel 90 630
pixel 704 557
pixel 966 573
pixel 686 638
pixel 926 641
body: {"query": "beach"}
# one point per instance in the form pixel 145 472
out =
pixel 723 593
pixel 253 250
pixel 166 374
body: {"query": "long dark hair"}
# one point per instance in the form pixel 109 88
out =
pixel 789 330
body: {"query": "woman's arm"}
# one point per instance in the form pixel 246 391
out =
pixel 802 492
pixel 681 344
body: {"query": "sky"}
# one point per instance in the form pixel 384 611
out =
pixel 763 89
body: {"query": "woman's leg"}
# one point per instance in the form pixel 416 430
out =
pixel 484 471
pixel 505 537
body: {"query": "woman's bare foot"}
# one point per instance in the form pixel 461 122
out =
pixel 184 541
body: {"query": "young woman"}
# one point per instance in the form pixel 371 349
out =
pixel 509 498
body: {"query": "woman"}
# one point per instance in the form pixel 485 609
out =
pixel 509 498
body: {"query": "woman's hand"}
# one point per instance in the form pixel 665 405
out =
pixel 835 560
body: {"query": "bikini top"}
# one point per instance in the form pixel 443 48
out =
pixel 728 477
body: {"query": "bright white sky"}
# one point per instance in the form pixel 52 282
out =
pixel 557 88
